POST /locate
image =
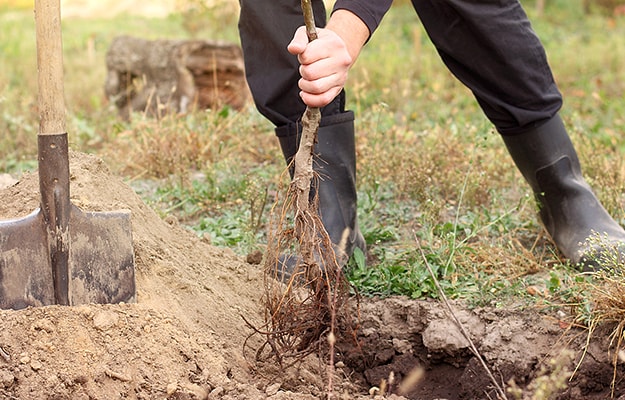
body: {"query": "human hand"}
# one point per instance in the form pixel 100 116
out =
pixel 324 65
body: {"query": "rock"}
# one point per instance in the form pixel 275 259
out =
pixel 444 336
pixel 171 388
pixel 196 391
pixel 7 180
pixel 36 365
pixel 272 389
pixel 24 358
pixel 105 320
pixel 6 379
pixel 43 324
pixel 402 346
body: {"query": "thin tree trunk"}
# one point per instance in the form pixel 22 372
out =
pixel 303 163
pixel 540 7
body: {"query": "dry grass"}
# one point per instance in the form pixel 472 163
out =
pixel 179 144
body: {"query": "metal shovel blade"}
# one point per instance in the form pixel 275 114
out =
pixel 100 263
pixel 25 270
pixel 101 257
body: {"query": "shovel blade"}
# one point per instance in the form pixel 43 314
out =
pixel 101 266
pixel 101 258
pixel 25 268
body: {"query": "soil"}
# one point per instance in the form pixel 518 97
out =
pixel 186 336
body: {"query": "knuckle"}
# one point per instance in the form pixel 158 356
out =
pixel 316 87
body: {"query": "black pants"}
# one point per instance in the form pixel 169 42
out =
pixel 488 45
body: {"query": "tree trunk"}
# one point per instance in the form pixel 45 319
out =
pixel 162 76
pixel 540 7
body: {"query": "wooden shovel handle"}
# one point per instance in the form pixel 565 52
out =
pixel 50 67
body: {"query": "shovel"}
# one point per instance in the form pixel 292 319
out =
pixel 59 254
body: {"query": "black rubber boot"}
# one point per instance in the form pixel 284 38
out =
pixel 581 228
pixel 335 163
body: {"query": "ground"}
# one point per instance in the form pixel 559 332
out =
pixel 188 334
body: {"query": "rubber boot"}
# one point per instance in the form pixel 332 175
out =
pixel 335 163
pixel 579 225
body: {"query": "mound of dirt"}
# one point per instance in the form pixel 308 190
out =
pixel 184 337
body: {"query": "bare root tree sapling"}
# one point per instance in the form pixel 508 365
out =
pixel 302 305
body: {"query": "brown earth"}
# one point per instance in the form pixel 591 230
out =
pixel 184 337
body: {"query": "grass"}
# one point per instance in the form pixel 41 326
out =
pixel 431 170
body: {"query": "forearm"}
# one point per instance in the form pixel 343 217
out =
pixel 369 11
pixel 351 29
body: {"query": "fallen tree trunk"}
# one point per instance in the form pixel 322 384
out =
pixel 606 7
pixel 162 76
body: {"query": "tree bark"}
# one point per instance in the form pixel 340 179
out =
pixel 163 76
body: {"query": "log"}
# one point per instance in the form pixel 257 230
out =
pixel 163 76
pixel 605 7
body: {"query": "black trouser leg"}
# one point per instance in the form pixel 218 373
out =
pixel 266 27
pixel 489 45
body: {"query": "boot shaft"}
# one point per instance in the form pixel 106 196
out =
pixel 568 208
pixel 334 163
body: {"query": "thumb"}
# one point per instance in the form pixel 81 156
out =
pixel 299 42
